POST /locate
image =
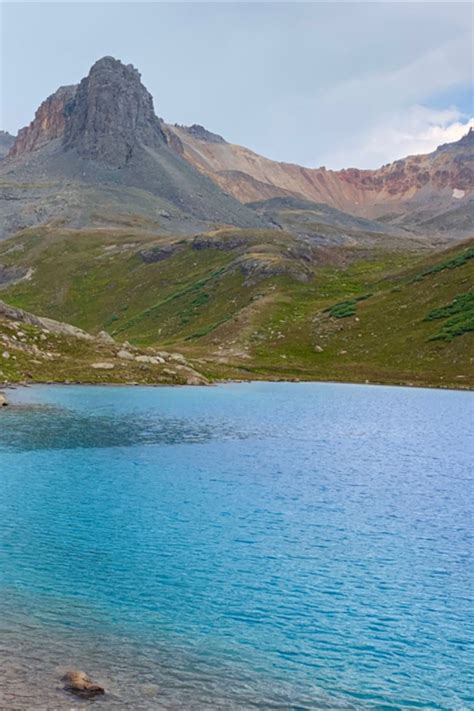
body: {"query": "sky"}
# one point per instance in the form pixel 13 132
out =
pixel 334 84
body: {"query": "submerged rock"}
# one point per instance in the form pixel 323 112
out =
pixel 77 682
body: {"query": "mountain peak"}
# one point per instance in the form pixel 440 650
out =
pixel 468 138
pixel 103 118
pixel 109 64
pixel 112 113
pixel 102 142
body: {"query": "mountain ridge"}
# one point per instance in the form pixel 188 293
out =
pixel 96 153
pixel 435 181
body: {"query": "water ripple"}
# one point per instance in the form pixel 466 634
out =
pixel 263 546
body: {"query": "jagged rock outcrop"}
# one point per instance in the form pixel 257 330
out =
pixel 110 114
pixel 10 275
pixel 48 124
pixel 103 118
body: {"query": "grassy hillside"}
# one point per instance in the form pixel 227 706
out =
pixel 259 303
pixel 415 326
pixel 34 349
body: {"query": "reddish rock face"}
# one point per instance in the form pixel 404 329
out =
pixel 450 166
pixel 250 177
pixel 49 123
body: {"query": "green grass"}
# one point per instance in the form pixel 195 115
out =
pixel 268 325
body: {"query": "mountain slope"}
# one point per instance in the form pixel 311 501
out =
pixel 98 152
pixel 40 349
pixel 408 191
pixel 319 223
pixel 6 143
pixel 239 303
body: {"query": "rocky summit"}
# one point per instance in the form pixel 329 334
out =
pixel 111 115
pixel 96 153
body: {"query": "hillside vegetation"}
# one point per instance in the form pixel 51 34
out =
pixel 257 303
pixel 34 349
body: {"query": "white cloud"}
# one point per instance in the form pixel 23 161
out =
pixel 417 130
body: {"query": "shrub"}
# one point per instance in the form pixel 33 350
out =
pixel 457 261
pixel 459 314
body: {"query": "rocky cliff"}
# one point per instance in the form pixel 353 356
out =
pixel 104 118
pixel 97 153
pixel 49 123
pixel 111 115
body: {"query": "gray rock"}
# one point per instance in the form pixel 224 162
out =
pixel 6 142
pixel 125 355
pixel 100 124
pixel 153 360
pixel 105 337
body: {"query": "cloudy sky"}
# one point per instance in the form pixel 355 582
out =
pixel 333 84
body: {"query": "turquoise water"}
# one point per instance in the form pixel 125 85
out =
pixel 247 546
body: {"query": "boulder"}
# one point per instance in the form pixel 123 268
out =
pixel 3 400
pixel 77 682
pixel 125 355
pixel 105 337
pixel 195 379
pixel 153 360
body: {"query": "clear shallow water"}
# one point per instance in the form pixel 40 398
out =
pixel 269 546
